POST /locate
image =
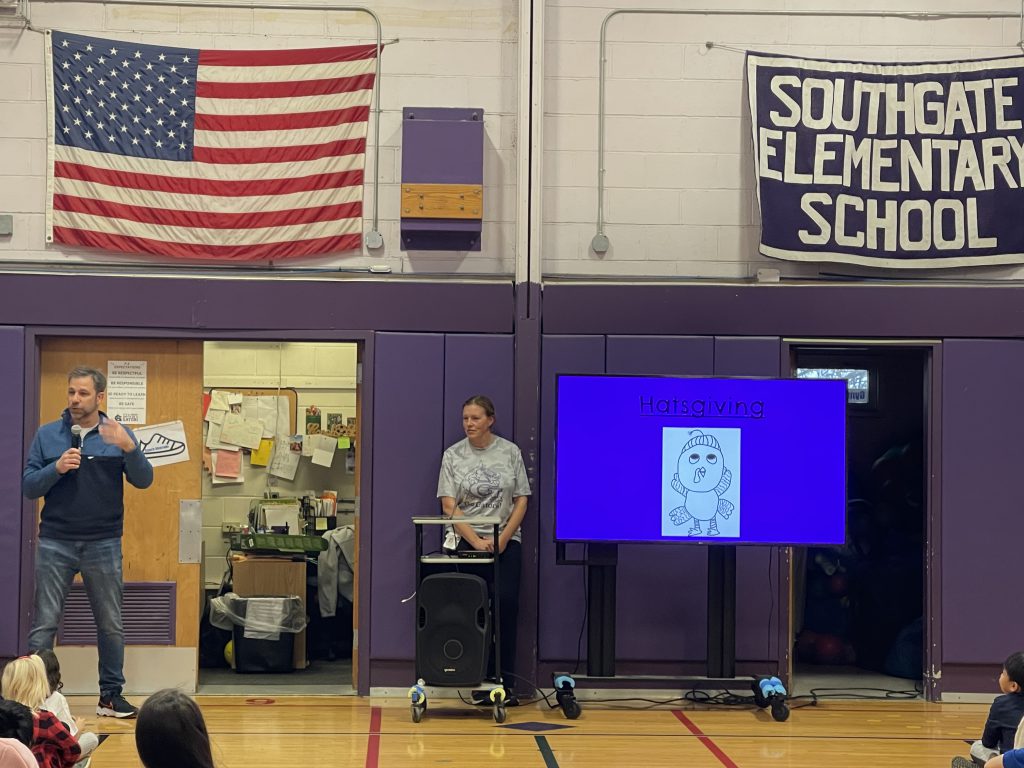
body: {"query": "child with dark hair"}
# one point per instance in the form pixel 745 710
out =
pixel 171 732
pixel 58 705
pixel 15 736
pixel 15 722
pixel 1003 717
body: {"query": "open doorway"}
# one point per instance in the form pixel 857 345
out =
pixel 299 480
pixel 859 609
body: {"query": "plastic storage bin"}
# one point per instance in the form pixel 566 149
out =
pixel 263 629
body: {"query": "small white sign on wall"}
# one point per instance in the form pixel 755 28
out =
pixel 126 391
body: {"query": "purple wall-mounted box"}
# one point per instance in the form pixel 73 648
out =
pixel 442 178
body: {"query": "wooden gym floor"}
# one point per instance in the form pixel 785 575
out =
pixel 301 731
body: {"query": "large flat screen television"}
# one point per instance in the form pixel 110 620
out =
pixel 726 460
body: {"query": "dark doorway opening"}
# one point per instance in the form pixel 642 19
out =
pixel 859 608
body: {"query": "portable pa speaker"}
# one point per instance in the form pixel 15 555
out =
pixel 453 629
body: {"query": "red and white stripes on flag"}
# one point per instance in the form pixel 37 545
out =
pixel 219 155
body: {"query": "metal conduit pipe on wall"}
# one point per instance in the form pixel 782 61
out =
pixel 373 239
pixel 600 243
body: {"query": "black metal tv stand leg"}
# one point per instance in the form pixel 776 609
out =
pixel 602 560
pixel 721 611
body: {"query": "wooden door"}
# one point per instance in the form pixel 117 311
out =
pixel 174 375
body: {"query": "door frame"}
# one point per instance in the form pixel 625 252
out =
pixel 931 675
pixel 34 335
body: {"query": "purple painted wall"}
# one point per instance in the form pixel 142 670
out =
pixel 420 383
pixel 790 309
pixel 408 427
pixel 758 569
pixel 982 456
pixel 562 595
pixel 12 536
pixel 202 305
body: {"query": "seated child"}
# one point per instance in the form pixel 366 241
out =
pixel 15 736
pixel 14 754
pixel 171 733
pixel 15 722
pixel 24 681
pixel 58 705
pixel 1004 716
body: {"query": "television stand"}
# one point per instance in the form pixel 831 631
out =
pixel 601 563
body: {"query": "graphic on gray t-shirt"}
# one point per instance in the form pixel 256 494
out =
pixel 484 481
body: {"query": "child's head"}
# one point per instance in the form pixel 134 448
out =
pixel 14 754
pixel 16 722
pixel 170 732
pixel 1011 679
pixel 52 668
pixel 24 681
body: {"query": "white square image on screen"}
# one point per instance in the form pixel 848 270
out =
pixel 700 482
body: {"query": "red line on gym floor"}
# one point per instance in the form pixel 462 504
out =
pixel 373 744
pixel 713 748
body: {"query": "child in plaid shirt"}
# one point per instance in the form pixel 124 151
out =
pixel 24 680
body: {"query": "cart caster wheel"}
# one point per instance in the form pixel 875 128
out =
pixel 780 712
pixel 499 713
pixel 417 712
pixel 417 696
pixel 571 709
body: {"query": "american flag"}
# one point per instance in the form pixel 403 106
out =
pixel 203 154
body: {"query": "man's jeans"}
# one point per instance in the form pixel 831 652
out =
pixel 99 562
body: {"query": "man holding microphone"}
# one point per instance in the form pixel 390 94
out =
pixel 78 464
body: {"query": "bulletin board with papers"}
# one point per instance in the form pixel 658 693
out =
pixel 264 396
pixel 246 419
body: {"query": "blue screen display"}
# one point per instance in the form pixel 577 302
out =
pixel 742 461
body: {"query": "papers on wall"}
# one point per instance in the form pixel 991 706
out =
pixel 228 464
pixel 237 430
pixel 307 445
pixel 213 441
pixel 163 443
pixel 272 411
pixel 285 460
pixel 323 449
pixel 216 457
pixel 219 401
pixel 126 391
pixel 261 456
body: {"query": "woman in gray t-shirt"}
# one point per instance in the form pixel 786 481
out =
pixel 484 475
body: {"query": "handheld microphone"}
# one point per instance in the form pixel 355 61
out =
pixel 76 436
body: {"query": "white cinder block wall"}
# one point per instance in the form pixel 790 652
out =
pixel 324 375
pixel 680 200
pixel 450 53
pixel 679 195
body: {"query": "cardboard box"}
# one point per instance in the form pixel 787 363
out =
pixel 273 577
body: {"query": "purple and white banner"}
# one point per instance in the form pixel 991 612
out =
pixel 890 165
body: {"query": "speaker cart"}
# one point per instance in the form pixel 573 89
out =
pixel 454 617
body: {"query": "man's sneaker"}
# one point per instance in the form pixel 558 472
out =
pixel 116 706
pixel 963 762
